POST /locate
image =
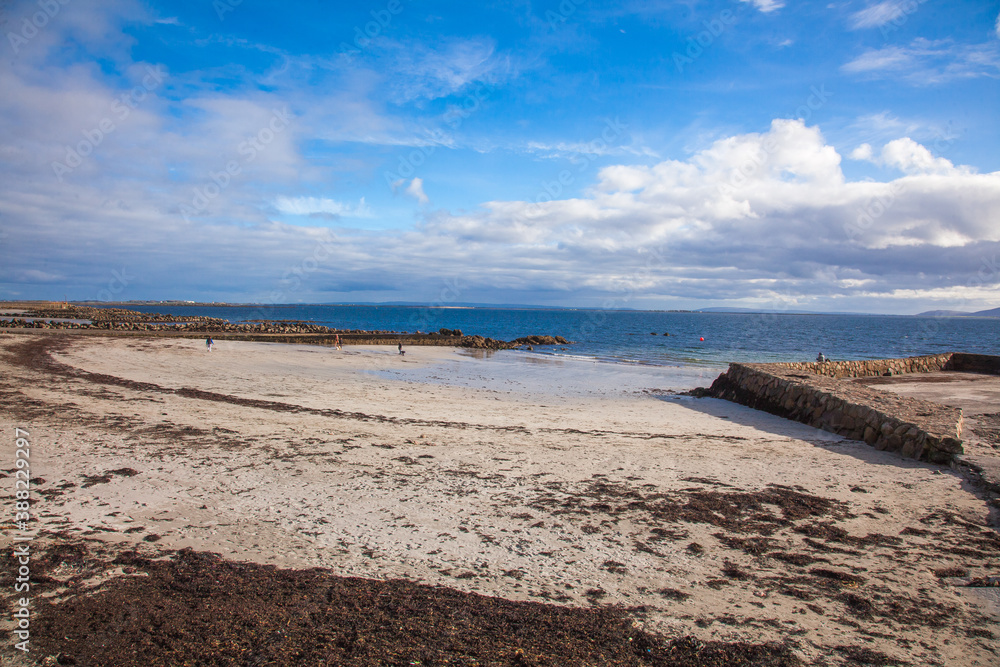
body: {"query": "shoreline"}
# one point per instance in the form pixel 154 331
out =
pixel 117 321
pixel 298 457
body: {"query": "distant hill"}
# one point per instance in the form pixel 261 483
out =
pixel 767 311
pixel 943 313
pixel 995 312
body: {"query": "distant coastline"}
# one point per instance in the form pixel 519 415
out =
pixel 722 310
pixel 663 338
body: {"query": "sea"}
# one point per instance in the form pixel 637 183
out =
pixel 652 338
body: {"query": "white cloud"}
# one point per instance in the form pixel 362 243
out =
pixel 596 148
pixel 878 14
pixel 910 157
pixel 926 62
pixel 882 123
pixel 322 206
pixel 416 190
pixel 766 208
pixel 877 129
pixel 766 5
pixel 422 71
pixel 755 216
pixel 862 152
pixel 36 276
pixel 751 216
pixel 887 58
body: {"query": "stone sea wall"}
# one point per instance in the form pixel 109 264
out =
pixel 121 322
pixel 872 367
pixel 813 393
pixel 975 363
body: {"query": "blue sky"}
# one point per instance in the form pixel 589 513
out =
pixel 759 153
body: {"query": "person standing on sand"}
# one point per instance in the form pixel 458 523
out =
pixel 401 348
pixel 209 343
pixel 336 342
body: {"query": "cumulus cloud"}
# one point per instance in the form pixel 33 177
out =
pixel 758 217
pixel 753 217
pixel 908 156
pixel 862 152
pixel 772 208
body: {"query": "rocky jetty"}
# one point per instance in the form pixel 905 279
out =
pixel 817 394
pixel 290 331
pixel 540 340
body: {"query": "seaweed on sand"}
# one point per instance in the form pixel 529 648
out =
pixel 197 608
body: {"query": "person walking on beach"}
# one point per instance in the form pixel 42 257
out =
pixel 209 343
pixel 336 342
pixel 401 348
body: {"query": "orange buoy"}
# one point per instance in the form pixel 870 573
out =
pixel 701 339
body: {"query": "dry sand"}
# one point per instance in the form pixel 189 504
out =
pixel 701 516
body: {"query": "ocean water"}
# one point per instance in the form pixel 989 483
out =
pixel 696 340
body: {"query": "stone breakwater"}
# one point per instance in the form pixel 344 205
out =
pixel 117 321
pixel 815 394
pixel 872 367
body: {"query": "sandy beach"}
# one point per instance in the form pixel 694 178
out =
pixel 510 476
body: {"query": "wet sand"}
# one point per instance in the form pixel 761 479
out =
pixel 694 517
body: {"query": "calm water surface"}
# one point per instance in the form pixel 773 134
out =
pixel 636 337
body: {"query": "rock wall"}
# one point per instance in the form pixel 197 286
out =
pixel 873 367
pixel 976 363
pixel 126 322
pixel 915 428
